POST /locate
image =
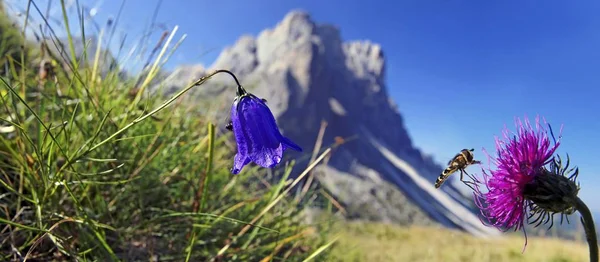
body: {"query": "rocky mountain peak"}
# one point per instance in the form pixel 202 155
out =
pixel 241 57
pixel 308 74
pixel 365 58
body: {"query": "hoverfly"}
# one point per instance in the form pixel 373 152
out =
pixel 458 163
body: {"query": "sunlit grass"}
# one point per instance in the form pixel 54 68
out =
pixel 387 243
pixel 90 172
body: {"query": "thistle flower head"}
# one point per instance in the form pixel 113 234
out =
pixel 256 133
pixel 521 186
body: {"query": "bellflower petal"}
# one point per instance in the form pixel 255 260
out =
pixel 256 133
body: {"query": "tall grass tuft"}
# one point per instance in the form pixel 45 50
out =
pixel 83 176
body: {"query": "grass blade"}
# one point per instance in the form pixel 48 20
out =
pixel 321 250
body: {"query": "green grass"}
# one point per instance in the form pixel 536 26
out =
pixel 388 243
pixel 89 172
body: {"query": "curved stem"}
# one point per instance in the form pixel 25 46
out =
pixel 161 107
pixel 240 90
pixel 589 227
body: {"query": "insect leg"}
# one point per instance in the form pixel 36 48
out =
pixel 470 184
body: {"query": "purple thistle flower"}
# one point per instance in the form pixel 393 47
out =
pixel 256 133
pixel 519 161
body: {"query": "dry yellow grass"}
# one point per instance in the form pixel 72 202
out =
pixel 385 243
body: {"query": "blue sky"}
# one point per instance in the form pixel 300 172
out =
pixel 459 70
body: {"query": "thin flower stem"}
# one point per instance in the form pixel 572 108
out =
pixel 590 229
pixel 156 110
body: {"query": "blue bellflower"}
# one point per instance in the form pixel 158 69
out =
pixel 256 133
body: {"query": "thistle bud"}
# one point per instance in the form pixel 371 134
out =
pixel 552 192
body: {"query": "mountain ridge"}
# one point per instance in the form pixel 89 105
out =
pixel 309 75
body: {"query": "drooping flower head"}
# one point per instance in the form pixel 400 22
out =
pixel 256 133
pixel 520 185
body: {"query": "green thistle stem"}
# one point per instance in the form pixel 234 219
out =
pixel 589 227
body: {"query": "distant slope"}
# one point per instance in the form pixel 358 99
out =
pixel 389 243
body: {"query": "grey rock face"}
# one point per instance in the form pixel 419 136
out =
pixel 308 74
pixel 365 199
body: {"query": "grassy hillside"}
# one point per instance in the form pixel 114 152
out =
pixel 388 243
pixel 88 174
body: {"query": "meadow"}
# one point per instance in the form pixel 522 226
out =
pixel 89 173
pixel 361 241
